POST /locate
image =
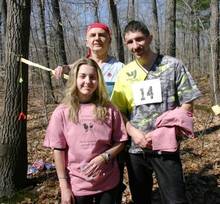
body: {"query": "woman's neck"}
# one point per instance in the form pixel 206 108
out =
pixel 85 101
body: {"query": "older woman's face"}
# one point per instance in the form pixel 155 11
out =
pixel 98 40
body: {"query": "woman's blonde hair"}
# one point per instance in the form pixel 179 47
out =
pixel 100 96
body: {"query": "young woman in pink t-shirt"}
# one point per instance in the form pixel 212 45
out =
pixel 86 133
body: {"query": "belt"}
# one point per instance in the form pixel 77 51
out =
pixel 157 152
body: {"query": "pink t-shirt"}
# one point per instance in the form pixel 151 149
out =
pixel 85 140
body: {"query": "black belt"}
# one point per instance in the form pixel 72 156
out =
pixel 157 152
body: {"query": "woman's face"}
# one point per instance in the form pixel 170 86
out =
pixel 98 40
pixel 87 82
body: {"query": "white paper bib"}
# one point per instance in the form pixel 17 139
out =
pixel 147 92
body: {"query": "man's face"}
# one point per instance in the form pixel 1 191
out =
pixel 98 39
pixel 138 43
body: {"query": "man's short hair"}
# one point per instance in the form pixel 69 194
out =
pixel 136 26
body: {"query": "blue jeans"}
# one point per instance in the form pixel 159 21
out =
pixel 169 175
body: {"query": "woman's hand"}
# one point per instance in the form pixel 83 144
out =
pixel 67 196
pixel 93 168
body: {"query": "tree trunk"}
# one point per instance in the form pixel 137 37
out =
pixel 130 17
pixel 59 32
pixel 170 30
pixel 197 44
pixel 1 41
pixel 13 139
pixel 3 13
pixel 215 50
pixel 131 10
pixel 47 84
pixel 198 64
pixel 95 5
pixel 155 27
pixel 117 40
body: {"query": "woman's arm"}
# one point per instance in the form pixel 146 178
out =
pixel 94 166
pixel 66 193
pixel 113 151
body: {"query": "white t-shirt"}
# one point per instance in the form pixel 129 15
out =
pixel 110 70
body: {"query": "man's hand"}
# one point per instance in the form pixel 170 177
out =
pixel 137 135
pixel 139 139
pixel 58 72
pixel 188 106
pixel 148 139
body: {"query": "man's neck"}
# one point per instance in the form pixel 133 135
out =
pixel 148 60
pixel 99 58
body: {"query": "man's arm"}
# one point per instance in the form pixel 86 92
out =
pixel 147 137
pixel 137 136
pixel 60 70
pixel 188 106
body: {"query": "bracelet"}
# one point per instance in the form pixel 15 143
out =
pixel 64 177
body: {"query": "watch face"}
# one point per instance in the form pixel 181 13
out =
pixel 108 156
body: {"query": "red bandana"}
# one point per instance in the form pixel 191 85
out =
pixel 99 25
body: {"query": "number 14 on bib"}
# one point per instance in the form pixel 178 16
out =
pixel 147 92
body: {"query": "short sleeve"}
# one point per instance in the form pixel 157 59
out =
pixel 187 90
pixel 118 127
pixel 118 97
pixel 55 137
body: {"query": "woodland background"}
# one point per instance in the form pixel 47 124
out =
pixel 51 33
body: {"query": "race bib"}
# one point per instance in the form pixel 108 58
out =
pixel 147 92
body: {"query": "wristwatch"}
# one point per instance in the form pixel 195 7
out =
pixel 106 156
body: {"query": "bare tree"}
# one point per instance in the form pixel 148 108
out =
pixel 118 42
pixel 95 5
pixel 13 139
pixel 2 72
pixel 47 84
pixel 215 50
pixel 170 29
pixel 130 17
pixel 2 30
pixel 155 26
pixel 131 10
pixel 62 59
pixel 197 38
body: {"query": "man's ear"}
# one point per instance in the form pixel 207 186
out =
pixel 124 42
pixel 87 43
pixel 150 38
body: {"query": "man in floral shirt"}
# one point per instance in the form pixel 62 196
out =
pixel 145 88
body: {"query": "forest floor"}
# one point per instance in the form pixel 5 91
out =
pixel 200 156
